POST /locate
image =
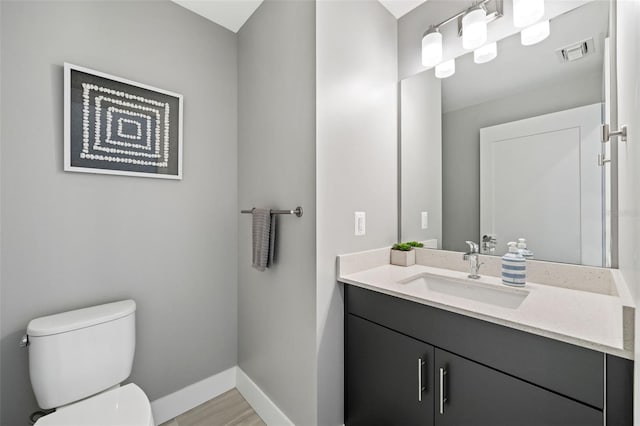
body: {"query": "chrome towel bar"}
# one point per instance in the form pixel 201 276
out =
pixel 297 211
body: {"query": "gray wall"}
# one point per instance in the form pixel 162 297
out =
pixel 73 239
pixel 356 163
pixel 276 169
pixel 461 147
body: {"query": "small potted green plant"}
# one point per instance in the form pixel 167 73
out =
pixel 403 254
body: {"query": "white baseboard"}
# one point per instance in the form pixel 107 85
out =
pixel 172 405
pixel 260 402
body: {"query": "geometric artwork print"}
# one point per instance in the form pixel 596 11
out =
pixel 116 126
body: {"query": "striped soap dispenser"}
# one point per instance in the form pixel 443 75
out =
pixel 514 267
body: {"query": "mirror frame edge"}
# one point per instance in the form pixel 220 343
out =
pixel 613 111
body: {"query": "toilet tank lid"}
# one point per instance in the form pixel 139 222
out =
pixel 80 318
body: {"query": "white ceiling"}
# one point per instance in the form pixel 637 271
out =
pixel 398 8
pixel 232 14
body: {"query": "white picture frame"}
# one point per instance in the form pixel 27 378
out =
pixel 117 126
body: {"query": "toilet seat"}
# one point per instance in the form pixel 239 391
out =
pixel 123 406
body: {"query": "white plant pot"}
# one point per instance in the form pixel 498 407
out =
pixel 403 258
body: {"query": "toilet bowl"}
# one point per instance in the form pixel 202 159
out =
pixel 77 360
pixel 123 406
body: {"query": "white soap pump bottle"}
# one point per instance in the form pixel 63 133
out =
pixel 514 267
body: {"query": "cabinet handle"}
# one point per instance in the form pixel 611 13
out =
pixel 443 399
pixel 421 388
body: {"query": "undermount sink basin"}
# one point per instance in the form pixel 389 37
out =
pixel 434 285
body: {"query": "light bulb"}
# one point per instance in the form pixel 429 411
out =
pixel 527 12
pixel 474 28
pixel 446 69
pixel 431 47
pixel 535 33
pixel 485 53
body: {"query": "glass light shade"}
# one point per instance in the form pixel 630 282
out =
pixel 535 33
pixel 485 53
pixel 431 48
pixel 474 28
pixel 446 69
pixel 527 12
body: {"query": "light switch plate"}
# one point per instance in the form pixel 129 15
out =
pixel 425 220
pixel 360 224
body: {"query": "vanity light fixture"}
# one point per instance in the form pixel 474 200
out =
pixel 431 47
pixel 535 33
pixel 485 53
pixel 474 28
pixel 446 68
pixel 527 12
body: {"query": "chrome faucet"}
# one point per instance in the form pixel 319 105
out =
pixel 472 257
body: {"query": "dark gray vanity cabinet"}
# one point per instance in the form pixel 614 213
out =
pixel 390 376
pixel 489 374
pixel 475 395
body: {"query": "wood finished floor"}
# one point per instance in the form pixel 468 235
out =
pixel 228 409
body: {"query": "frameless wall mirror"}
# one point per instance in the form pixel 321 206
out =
pixel 511 148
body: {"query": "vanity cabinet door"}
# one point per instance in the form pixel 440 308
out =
pixel 470 394
pixel 389 377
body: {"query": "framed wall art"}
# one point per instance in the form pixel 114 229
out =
pixel 120 127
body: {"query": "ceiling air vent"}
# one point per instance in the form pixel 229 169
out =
pixel 576 51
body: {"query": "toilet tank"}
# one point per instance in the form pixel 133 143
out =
pixel 75 354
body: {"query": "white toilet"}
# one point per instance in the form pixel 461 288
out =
pixel 78 359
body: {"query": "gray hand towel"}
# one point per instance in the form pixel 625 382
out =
pixel 264 236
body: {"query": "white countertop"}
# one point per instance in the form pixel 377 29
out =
pixel 582 318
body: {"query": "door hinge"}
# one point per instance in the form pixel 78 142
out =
pixel 606 133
